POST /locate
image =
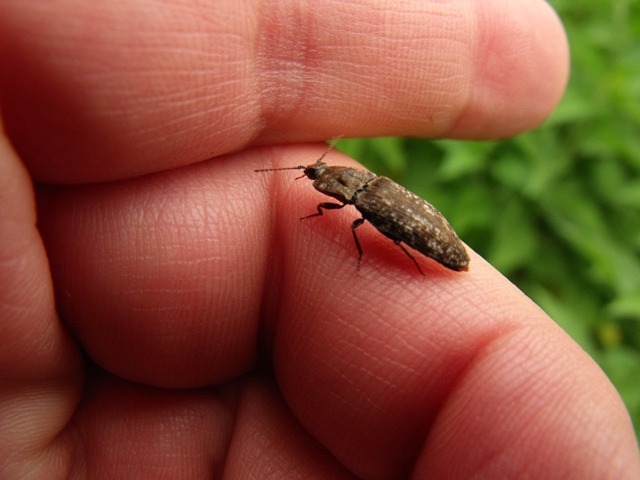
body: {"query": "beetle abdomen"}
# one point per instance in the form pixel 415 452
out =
pixel 405 217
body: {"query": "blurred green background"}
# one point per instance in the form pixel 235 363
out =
pixel 557 209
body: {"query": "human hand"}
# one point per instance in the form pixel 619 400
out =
pixel 222 336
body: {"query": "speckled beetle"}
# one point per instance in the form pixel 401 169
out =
pixel 396 212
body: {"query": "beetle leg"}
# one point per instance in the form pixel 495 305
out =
pixel 415 262
pixel 325 206
pixel 355 225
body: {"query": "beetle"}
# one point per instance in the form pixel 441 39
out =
pixel 394 211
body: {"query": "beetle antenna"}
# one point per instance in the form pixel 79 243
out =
pixel 299 167
pixel 332 144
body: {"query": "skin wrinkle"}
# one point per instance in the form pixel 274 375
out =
pixel 446 72
pixel 284 55
pixel 522 416
pixel 183 130
pixel 286 100
pixel 202 82
pixel 462 373
pixel 369 374
pixel 364 399
pixel 378 359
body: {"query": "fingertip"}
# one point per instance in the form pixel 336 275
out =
pixel 521 68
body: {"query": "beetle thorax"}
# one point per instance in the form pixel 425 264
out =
pixel 342 183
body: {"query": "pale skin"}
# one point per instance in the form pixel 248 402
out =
pixel 223 337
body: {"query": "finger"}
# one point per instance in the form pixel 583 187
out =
pixel 161 277
pixel 40 369
pixel 110 92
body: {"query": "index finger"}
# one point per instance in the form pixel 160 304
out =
pixel 109 92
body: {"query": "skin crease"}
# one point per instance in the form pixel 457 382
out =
pixel 169 315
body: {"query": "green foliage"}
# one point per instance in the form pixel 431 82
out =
pixel 557 209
